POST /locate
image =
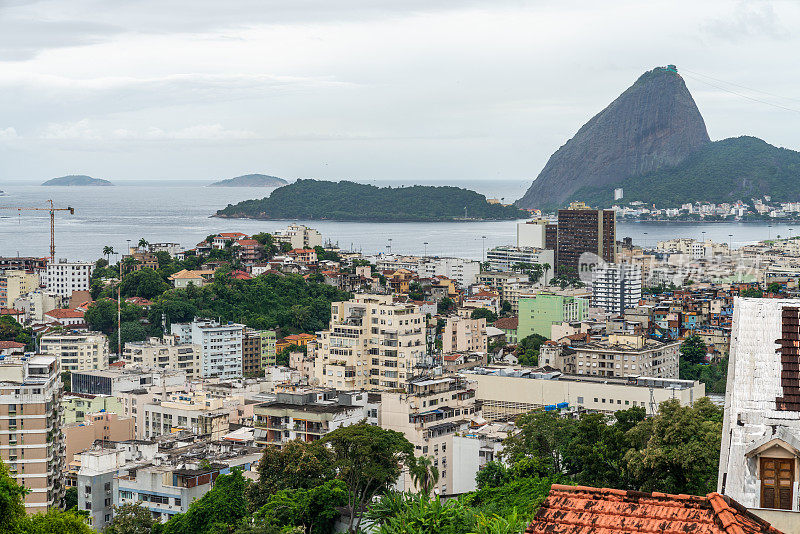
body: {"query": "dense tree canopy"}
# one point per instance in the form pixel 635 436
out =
pixel 349 201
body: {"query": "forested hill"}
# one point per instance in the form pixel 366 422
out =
pixel 739 168
pixel 349 201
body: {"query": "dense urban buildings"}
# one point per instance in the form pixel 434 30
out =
pixel 77 351
pixel 63 277
pixel 616 287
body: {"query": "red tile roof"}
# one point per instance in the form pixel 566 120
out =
pixel 10 311
pixel 584 510
pixel 65 314
pixel 11 345
pixel 507 323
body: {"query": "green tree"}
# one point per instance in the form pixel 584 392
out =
pixel 297 465
pixel 445 306
pixel 131 519
pixel 143 244
pixel 219 510
pixel 107 252
pixel 542 437
pixel 774 287
pixel 368 459
pixel 677 450
pixel 145 283
pixel 693 349
pixel 71 498
pixel 483 313
pixel 314 509
pixel 424 474
pixel 11 330
pixel 492 475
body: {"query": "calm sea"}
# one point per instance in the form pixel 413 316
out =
pixel 178 211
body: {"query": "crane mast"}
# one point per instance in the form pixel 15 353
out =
pixel 52 209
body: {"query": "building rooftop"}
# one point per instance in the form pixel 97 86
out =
pixel 584 510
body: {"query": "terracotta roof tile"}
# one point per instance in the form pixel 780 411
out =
pixel 584 510
pixel 507 323
pixel 65 314
pixel 11 345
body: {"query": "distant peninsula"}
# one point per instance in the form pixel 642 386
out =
pixel 251 180
pixel 350 201
pixel 77 179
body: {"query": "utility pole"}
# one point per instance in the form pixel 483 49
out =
pixel 119 313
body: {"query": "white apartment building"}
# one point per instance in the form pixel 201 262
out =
pixel 220 346
pixel 532 233
pixel 465 272
pixel 309 413
pixel 429 413
pixel 372 342
pixel 299 236
pixel 616 287
pixel 621 355
pixel 63 277
pixel 198 412
pixel 464 335
pixel 506 392
pixel 77 351
pixel 37 303
pixel 31 441
pixel 163 353
pixel 504 258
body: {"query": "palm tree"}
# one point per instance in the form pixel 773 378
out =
pixel 545 268
pixel 143 243
pixel 107 252
pixel 424 474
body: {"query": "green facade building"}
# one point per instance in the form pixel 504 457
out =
pixel 540 312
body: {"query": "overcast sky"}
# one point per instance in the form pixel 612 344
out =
pixel 365 89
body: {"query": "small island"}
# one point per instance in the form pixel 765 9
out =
pixel 77 180
pixel 350 201
pixel 251 180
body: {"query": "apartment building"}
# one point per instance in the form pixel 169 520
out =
pixel 197 412
pixel 464 335
pixel 258 351
pixel 429 412
pixel 220 346
pixel 585 236
pixel 504 283
pixel 506 392
pixel 63 277
pixel 616 287
pixel 112 382
pixel 14 284
pixel 618 355
pixel 504 258
pixel 538 313
pixel 77 351
pixel 36 303
pixel 95 484
pixel 372 342
pixel 31 442
pixel 163 353
pixel 299 236
pixel 95 426
pixel 308 414
pixel 464 272
pixel 75 406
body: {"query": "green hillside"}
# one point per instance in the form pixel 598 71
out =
pixel 733 169
pixel 349 201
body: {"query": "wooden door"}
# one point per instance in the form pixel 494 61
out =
pixel 777 480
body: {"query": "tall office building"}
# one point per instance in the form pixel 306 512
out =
pixel 31 441
pixel 583 230
pixel 616 287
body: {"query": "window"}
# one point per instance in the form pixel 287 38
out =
pixel 177 501
pixel 777 479
pixel 88 489
pixel 108 486
pixel 580 400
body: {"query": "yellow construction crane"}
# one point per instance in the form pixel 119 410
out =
pixel 52 211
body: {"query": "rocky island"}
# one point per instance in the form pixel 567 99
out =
pixel 251 180
pixel 77 180
pixel 350 201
